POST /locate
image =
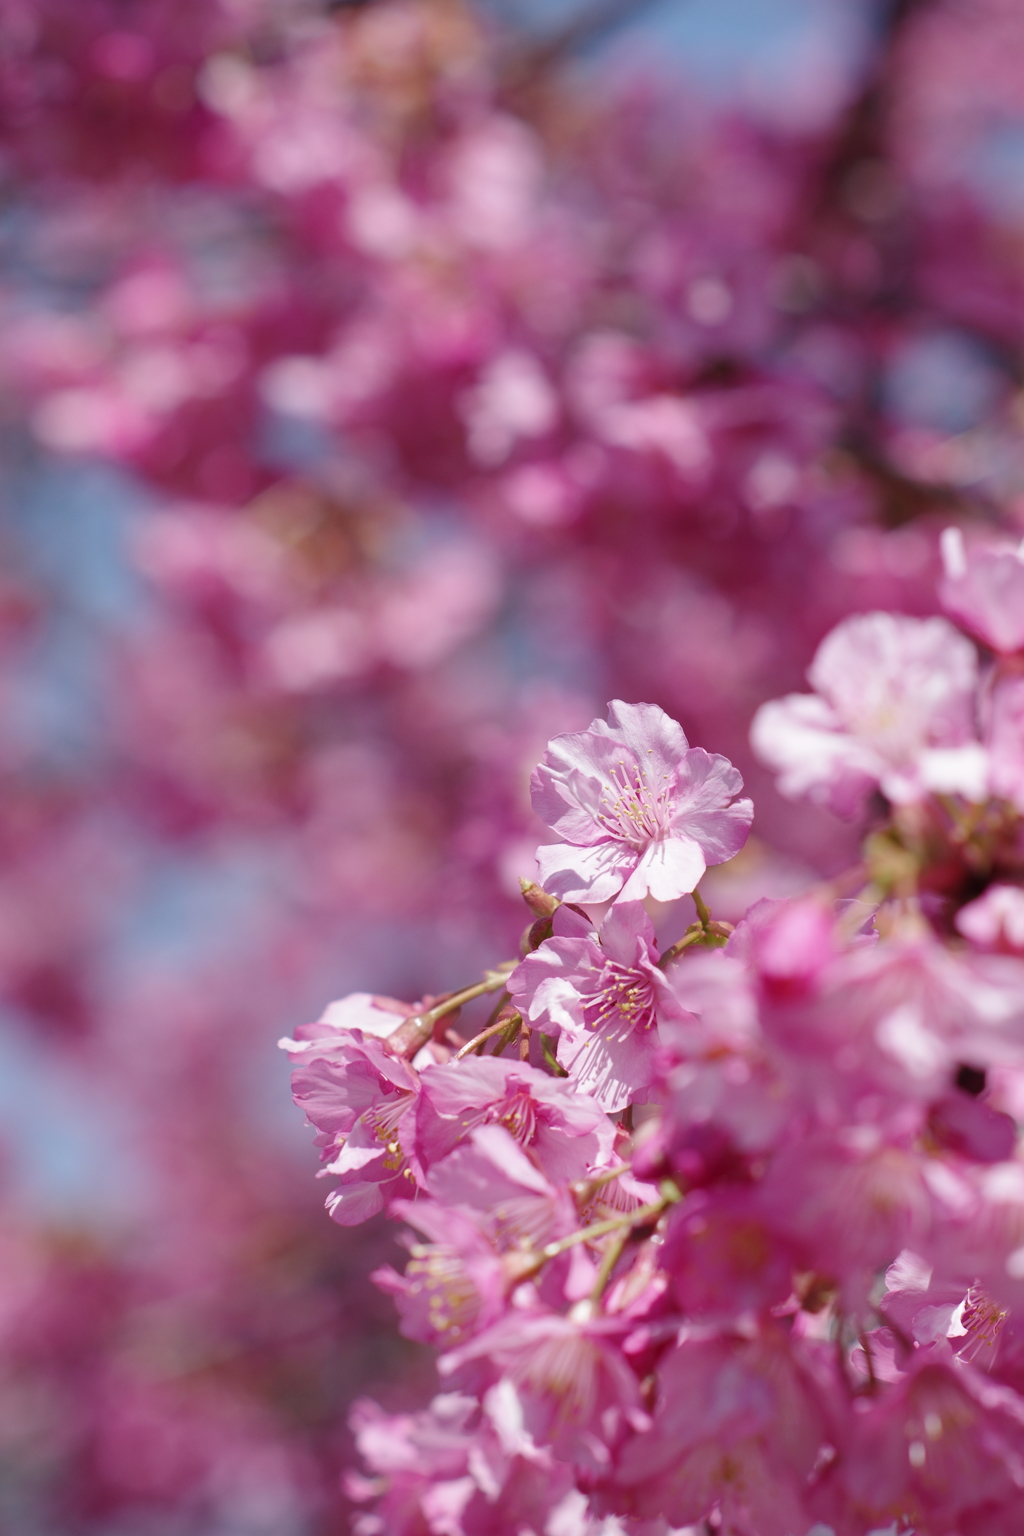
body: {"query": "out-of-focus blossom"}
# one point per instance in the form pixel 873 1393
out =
pixel 984 589
pixel 1006 740
pixel 995 920
pixel 893 707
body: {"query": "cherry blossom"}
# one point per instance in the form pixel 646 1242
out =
pixel 984 590
pixel 995 920
pixel 375 407
pixel 641 811
pixel 893 707
pixel 565 1133
pixel 362 1101
pixel 602 994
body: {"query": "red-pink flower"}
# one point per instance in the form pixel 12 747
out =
pixel 640 811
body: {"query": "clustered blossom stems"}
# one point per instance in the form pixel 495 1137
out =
pixel 742 1233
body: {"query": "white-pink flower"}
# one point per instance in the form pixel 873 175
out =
pixel 640 810
pixel 893 707
pixel 984 589
pixel 995 920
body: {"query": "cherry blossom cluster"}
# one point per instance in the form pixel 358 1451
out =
pixel 724 1233
pixel 437 395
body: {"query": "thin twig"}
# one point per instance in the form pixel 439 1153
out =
pixel 637 1218
pixel 481 1039
pixel 418 1029
pixel 611 1257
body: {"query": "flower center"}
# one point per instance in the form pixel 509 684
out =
pixel 519 1117
pixel 623 1002
pixel 632 811
pixel 982 1321
pixel 437 1276
pixel 384 1118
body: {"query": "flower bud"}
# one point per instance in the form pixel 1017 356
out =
pixel 538 900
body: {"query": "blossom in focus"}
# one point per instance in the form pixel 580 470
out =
pixel 489 1206
pixel 565 1134
pixel 377 1016
pixel 640 811
pixel 893 708
pixel 361 1099
pixel 602 994
pixel 984 590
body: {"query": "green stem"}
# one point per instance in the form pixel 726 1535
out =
pixel 588 1189
pixel 487 1034
pixel 418 1029
pixel 637 1218
pixel 693 935
pixel 611 1257
pixel 547 1046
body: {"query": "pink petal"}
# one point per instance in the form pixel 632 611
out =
pixel 627 932
pixel 355 1203
pixel 653 737
pixel 610 1067
pixel 584 874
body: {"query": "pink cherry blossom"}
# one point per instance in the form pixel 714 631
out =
pixel 373 411
pixel 447 1471
pixel 751 1448
pixel 641 812
pixel 893 707
pixel 453 1284
pixel 904 1456
pixel 602 994
pixel 564 1132
pixel 984 590
pixel 362 1101
pixel 562 1384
